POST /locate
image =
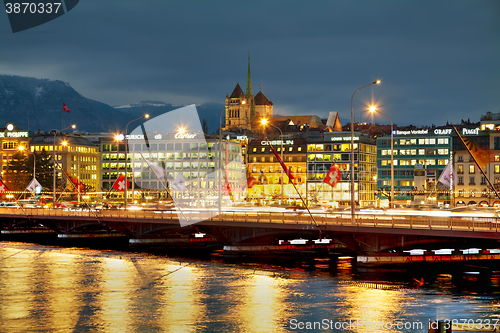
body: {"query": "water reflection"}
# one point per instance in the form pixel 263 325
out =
pixel 63 289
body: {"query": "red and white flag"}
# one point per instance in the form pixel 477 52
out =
pixel 120 183
pixel 285 169
pixel 251 182
pixel 78 185
pixel 3 188
pixel 65 108
pixel 333 176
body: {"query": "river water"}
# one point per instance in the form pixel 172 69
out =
pixel 55 289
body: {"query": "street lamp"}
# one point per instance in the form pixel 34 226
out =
pixel 352 149
pixel 146 116
pixel 391 202
pixel 54 158
pixel 264 122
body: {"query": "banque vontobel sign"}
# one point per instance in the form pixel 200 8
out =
pixel 28 14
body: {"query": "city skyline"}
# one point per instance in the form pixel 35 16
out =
pixel 437 61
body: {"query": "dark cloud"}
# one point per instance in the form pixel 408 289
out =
pixel 438 60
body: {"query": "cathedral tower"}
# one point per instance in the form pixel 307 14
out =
pixel 243 108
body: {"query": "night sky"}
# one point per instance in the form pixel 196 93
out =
pixel 438 61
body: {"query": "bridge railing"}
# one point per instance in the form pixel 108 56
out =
pixel 462 223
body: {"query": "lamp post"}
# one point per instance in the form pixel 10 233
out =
pixel 391 202
pixel 146 116
pixel 265 122
pixel 352 150
pixel 220 155
pixel 54 158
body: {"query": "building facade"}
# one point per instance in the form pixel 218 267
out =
pixel 242 108
pixel 429 150
pixel 11 137
pixel 191 155
pixel 75 154
pixel 471 186
pixel 335 148
pixel 263 166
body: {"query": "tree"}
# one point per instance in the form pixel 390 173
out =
pixel 204 126
pixel 44 167
pixel 16 176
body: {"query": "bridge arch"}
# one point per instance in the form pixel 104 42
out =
pixel 484 203
pixel 472 202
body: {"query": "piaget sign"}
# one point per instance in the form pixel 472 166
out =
pixel 438 131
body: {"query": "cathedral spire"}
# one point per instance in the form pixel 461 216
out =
pixel 249 80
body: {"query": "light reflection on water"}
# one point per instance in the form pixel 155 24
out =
pixel 52 289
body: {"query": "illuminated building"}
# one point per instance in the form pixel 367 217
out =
pixel 414 149
pixel 335 147
pixel 11 137
pixel 77 155
pixel 265 168
pixel 193 155
pixel 243 107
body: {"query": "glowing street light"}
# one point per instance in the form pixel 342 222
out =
pixel 21 149
pixel 391 202
pixel 352 149
pixel 264 122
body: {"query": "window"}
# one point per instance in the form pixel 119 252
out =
pixel 497 168
pixel 442 151
pixel 443 141
pixel 471 168
pixel 460 180
pixel 460 169
pixel 421 151
pixel 471 180
pixel 460 158
pixel 299 148
pixel 483 180
pixel 9 145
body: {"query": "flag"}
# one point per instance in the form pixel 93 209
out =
pixel 445 175
pixel 481 155
pixel 333 176
pixel 3 188
pixel 78 185
pixel 33 185
pixel 179 183
pixel 251 182
pixel 65 108
pixel 285 169
pixel 158 170
pixel 120 183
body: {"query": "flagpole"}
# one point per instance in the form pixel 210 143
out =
pixel 475 161
pixel 437 181
pixel 295 187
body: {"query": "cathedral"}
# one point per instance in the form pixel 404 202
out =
pixel 242 108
